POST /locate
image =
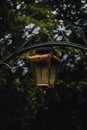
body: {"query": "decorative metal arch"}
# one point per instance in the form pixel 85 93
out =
pixel 47 44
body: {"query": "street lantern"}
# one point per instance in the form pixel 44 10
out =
pixel 45 66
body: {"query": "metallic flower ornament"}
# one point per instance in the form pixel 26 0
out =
pixel 30 30
pixel 61 31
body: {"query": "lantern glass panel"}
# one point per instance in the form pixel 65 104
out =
pixel 53 72
pixel 41 72
pixel 37 74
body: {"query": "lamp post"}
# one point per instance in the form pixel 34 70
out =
pixel 44 64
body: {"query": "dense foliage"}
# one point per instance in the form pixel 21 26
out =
pixel 23 105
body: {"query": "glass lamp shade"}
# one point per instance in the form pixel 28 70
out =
pixel 44 68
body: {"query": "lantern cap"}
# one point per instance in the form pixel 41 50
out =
pixel 44 57
pixel 44 50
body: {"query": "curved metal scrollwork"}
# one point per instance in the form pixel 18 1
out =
pixel 47 44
